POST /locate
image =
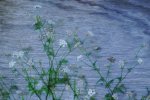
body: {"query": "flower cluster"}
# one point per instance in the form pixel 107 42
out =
pixel 61 71
pixel 19 54
pixel 62 43
pixel 91 92
pixel 15 55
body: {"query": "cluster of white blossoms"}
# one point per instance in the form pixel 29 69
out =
pixel 91 92
pixel 140 61
pixel 115 96
pixel 62 43
pixel 39 85
pixel 19 54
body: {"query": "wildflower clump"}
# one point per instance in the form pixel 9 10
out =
pixel 60 74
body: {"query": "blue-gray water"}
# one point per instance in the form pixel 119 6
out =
pixel 120 28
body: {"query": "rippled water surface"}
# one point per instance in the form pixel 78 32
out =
pixel 120 28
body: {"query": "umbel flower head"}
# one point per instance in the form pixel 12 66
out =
pixel 115 96
pixel 62 43
pixel 19 54
pixel 91 92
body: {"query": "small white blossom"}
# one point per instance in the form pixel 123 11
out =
pixel 140 61
pixel 19 54
pixel 79 57
pixel 115 96
pixel 89 33
pixel 39 85
pixel 12 64
pixel 91 92
pixel 37 6
pixel 62 43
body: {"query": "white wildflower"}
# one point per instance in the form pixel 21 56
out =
pixel 37 6
pixel 115 96
pixel 39 85
pixel 80 57
pixel 91 92
pixel 12 64
pixel 62 43
pixel 140 61
pixel 89 33
pixel 19 54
